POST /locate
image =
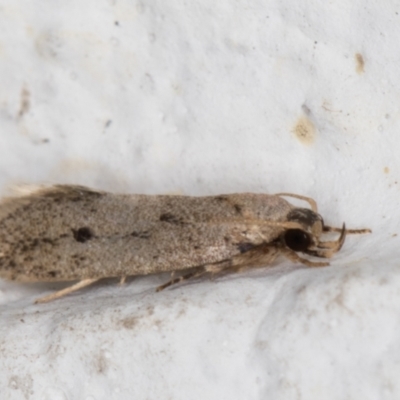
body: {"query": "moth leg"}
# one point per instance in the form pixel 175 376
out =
pixel 258 257
pixel 67 290
pixel 172 281
pixel 327 245
pixel 292 256
pixel 122 280
pixel 328 253
pixel 193 274
pixel 216 269
pixel 328 249
pixel 235 264
pixel 261 256
pixel 199 271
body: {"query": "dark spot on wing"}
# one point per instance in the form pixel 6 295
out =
pixel 238 208
pixel 52 274
pixel 82 235
pixel 245 246
pixel 141 235
pixel 28 245
pixel 221 198
pixel 48 240
pixel 61 193
pixel 172 219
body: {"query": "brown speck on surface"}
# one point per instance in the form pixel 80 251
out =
pixel 150 310
pixel 101 363
pixel 359 63
pixel 394 235
pixel 304 130
pixel 386 170
pixel 305 109
pixel 24 102
pixel 129 322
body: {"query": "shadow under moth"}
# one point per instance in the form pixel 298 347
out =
pixel 65 233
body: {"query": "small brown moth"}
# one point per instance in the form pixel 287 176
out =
pixel 65 233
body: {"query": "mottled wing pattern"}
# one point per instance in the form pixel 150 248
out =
pixel 71 232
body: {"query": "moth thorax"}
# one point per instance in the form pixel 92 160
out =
pixel 310 220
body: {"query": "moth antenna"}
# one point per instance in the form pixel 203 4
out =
pixel 309 200
pixel 348 231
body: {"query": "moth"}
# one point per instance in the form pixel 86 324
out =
pixel 68 233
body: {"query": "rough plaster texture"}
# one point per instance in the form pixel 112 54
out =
pixel 202 98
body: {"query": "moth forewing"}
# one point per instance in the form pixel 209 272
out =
pixel 75 233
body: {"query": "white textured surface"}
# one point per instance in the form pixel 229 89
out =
pixel 203 98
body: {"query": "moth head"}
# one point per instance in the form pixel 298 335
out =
pixel 306 238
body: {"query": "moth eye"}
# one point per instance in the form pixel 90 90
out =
pixel 297 240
